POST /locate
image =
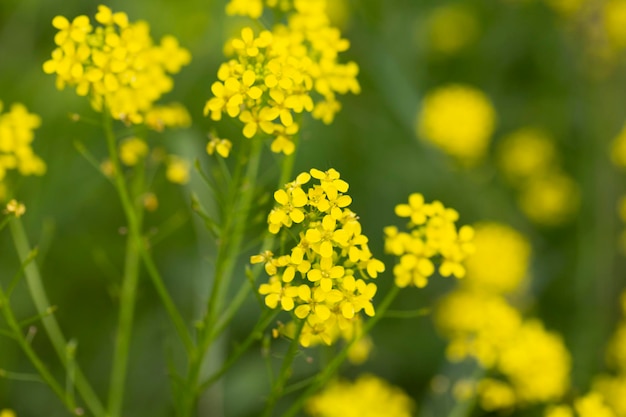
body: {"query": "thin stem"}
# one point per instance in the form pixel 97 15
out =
pixel 45 374
pixel 324 376
pixel 40 299
pixel 117 385
pixel 285 371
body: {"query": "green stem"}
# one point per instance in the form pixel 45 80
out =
pixel 117 385
pixel 40 299
pixel 324 376
pixel 285 371
pixel 32 355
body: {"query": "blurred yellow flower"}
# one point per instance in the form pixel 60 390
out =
pixel 132 150
pixel 451 28
pixel 367 396
pixel 618 149
pixel 459 120
pixel 7 413
pixel 221 146
pixel 526 153
pixel 177 170
pixel 566 8
pixel 559 411
pixel 550 200
pixel 501 260
pixel 614 15
pixel 592 405
pixel 612 388
pixel 494 395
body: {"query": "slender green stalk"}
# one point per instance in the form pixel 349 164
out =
pixel 51 326
pixel 327 373
pixel 45 374
pixel 119 370
pixel 285 371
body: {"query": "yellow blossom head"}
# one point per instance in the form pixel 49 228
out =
pixel 550 200
pixel 612 389
pixel 16 136
pixel 276 75
pixel 324 277
pixel 451 28
pixel 459 120
pixel 367 396
pixel 495 394
pixel 133 150
pixel 432 233
pixel 526 153
pixel 177 170
pixel 220 146
pixel 501 260
pixel 117 64
pixel 592 405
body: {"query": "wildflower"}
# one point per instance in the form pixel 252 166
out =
pixel 221 146
pixel 150 202
pixel 16 136
pixel 551 199
pixel 277 74
pixel 367 396
pixel 495 395
pixel 433 233
pixel 616 350
pixel 451 28
pixel 614 15
pixel 324 277
pixel 15 208
pixel 132 150
pixel 7 413
pixel 501 260
pixel 592 405
pixel 177 170
pixel 612 389
pixel 526 153
pixel 117 64
pixel 459 120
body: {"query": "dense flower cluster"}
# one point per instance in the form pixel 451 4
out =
pixel 547 195
pixel 432 235
pixel 117 65
pixel 532 364
pixel 16 136
pixel 367 396
pixel 324 277
pixel 500 262
pixel 277 74
pixel 459 120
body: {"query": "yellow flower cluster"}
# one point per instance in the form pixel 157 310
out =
pixel 323 279
pixel 547 195
pixel 275 75
pixel 451 28
pixel 16 136
pixel 367 396
pixel 221 146
pixel 590 405
pixel 501 260
pixel 432 234
pixel 459 120
pixel 613 386
pixel 118 65
pixel 532 364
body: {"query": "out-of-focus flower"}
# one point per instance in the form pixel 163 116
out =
pixel 451 28
pixel 459 120
pixel 177 170
pixel 550 200
pixel 525 153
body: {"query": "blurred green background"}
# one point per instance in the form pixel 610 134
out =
pixel 538 66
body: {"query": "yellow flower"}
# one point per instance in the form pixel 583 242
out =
pixel 367 396
pixel 433 233
pixel 459 120
pixel 16 136
pixel 592 405
pixel 566 7
pixel 495 395
pixel 612 388
pixel 501 260
pixel 550 200
pixel 618 149
pixel 132 150
pixel 177 170
pixel 323 277
pixel 7 413
pixel 118 65
pixel 451 28
pixel 526 153
pixel 221 146
pixel 614 15
pixel 559 411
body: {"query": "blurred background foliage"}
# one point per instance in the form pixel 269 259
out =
pixel 551 65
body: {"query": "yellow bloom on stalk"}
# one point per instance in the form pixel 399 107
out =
pixel 324 277
pixel 501 260
pixel 16 136
pixel 221 146
pixel 551 199
pixel 15 208
pixel 117 64
pixel 367 396
pixel 525 153
pixel 177 170
pixel 451 28
pixel 278 74
pixel 132 150
pixel 459 120
pixel 172 115
pixel 432 233
pixel 614 15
